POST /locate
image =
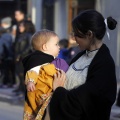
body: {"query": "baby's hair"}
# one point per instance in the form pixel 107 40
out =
pixel 41 37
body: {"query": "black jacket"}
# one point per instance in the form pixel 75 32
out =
pixel 92 100
pixel 22 45
pixel 36 58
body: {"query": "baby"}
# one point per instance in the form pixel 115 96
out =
pixel 39 69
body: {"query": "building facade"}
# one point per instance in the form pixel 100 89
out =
pixel 111 8
pixel 57 15
pixel 63 11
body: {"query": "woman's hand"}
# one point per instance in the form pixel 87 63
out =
pixel 59 79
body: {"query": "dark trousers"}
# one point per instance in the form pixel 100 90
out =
pixel 9 72
pixel 20 74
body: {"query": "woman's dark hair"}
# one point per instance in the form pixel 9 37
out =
pixel 29 26
pixel 111 23
pixel 93 21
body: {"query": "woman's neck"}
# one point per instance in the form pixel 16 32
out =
pixel 96 45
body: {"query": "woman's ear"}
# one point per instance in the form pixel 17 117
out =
pixel 90 34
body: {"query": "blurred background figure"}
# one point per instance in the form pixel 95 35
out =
pixel 6 23
pixel 63 49
pixel 73 48
pixel 7 53
pixel 23 48
pixel 19 17
pixel 1 57
pixel 68 48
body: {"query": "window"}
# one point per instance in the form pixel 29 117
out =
pixel 75 6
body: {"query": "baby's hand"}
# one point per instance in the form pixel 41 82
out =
pixel 30 87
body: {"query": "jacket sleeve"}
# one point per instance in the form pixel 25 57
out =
pixel 31 76
pixel 98 91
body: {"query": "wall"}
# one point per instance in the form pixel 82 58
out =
pixel 111 8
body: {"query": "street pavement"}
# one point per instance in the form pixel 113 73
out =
pixel 12 105
pixel 10 111
pixel 6 95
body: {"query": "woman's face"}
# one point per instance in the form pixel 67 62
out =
pixel 21 28
pixel 83 43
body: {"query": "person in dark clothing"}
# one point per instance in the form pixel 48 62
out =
pixel 22 49
pixel 63 43
pixel 9 76
pixel 72 52
pixel 7 60
pixel 19 17
pixel 92 91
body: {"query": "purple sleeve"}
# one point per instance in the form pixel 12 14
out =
pixel 61 64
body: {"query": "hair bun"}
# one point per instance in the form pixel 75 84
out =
pixel 111 23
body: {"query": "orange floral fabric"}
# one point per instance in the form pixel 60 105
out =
pixel 38 100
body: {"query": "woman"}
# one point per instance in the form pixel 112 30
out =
pixel 23 48
pixel 92 88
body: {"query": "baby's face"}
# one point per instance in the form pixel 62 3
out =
pixel 53 46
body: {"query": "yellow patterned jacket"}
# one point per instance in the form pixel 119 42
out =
pixel 37 101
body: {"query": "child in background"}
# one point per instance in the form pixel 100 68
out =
pixel 39 69
pixel 63 49
pixel 73 48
